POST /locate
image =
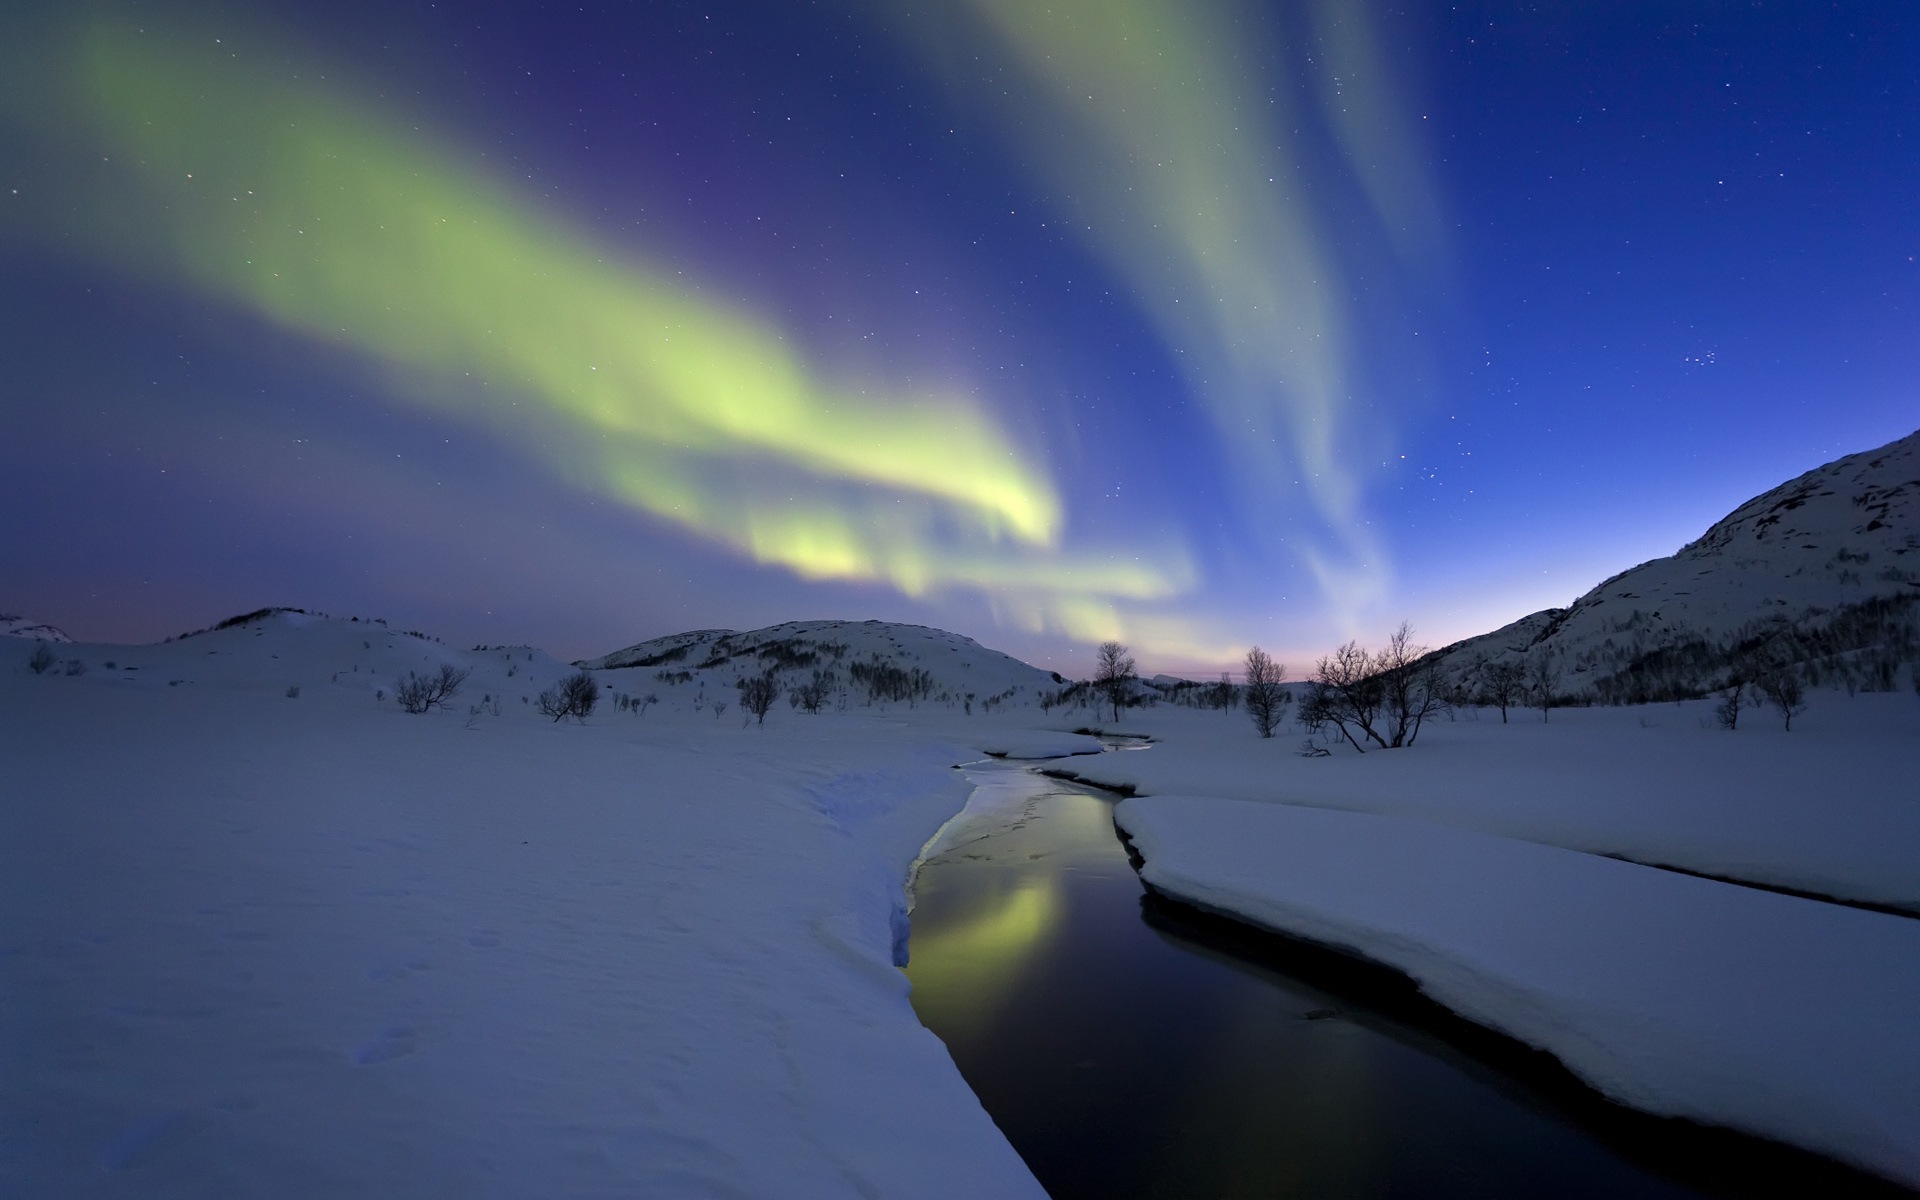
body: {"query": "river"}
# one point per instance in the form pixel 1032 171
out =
pixel 1132 1047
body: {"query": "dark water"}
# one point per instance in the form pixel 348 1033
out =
pixel 1128 1046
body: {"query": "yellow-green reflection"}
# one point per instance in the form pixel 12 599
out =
pixel 968 966
pixel 1183 172
pixel 355 228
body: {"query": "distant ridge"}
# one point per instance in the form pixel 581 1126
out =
pixel 957 668
pixel 14 625
pixel 1824 569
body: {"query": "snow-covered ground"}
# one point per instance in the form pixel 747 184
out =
pixel 261 932
pixel 258 942
pixel 1776 1015
pixel 1831 808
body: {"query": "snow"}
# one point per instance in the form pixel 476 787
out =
pixel 1827 809
pixel 256 941
pixel 1036 743
pixel 962 667
pixel 1780 1016
pixel 14 625
pixel 262 932
pixel 1841 534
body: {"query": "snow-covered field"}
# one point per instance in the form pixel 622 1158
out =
pixel 1475 862
pixel 1831 808
pixel 1779 1016
pixel 256 944
pixel 263 933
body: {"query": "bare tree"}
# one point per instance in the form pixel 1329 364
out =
pixel 1346 693
pixel 1780 683
pixel 640 704
pixel 1502 684
pixel 1543 682
pixel 574 696
pixel 1727 712
pixel 418 693
pixel 757 694
pixel 42 659
pixel 1266 700
pixel 1113 669
pixel 1410 686
pixel 1222 695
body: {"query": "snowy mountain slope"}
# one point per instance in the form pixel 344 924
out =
pixel 958 669
pixel 1844 537
pixel 14 625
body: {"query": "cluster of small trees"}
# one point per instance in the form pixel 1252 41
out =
pixel 885 681
pixel 1506 684
pixel 575 696
pixel 1770 681
pixel 814 694
pixel 417 693
pixel 1383 696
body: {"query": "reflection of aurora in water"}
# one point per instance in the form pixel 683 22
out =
pixel 1123 1058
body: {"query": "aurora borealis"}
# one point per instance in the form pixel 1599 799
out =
pixel 1195 325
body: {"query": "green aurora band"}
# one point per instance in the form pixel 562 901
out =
pixel 1183 172
pixel 358 231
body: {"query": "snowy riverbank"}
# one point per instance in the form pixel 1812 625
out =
pixel 1828 808
pixel 1775 1015
pixel 261 944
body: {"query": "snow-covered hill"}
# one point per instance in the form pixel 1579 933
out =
pixel 14 625
pixel 857 660
pixel 285 652
pixel 1831 558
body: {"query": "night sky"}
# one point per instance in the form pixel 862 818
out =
pixel 1191 324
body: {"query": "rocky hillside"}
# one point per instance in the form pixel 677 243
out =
pixel 1823 570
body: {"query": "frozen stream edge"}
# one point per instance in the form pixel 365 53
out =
pixel 1678 996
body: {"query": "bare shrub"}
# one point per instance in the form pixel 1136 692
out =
pixel 1266 700
pixel 1346 694
pixel 757 693
pixel 76 667
pixel 1385 697
pixel 815 692
pixel 293 691
pixel 42 660
pixel 575 696
pixel 418 693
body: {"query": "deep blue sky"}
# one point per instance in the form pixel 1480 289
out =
pixel 1594 274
